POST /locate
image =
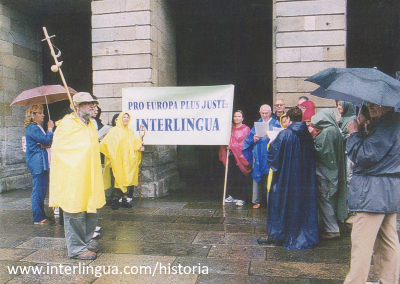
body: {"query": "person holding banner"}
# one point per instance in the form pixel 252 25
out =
pixel 121 149
pixel 255 151
pixel 238 167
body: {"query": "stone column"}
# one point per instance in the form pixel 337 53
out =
pixel 20 69
pixel 309 36
pixel 133 45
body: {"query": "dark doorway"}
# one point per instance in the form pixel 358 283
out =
pixel 223 42
pixel 373 34
pixel 70 22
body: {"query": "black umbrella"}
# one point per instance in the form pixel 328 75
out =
pixel 357 85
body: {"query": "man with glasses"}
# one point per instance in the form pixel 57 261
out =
pixel 279 107
pixel 76 183
pixel 255 151
pixel 374 195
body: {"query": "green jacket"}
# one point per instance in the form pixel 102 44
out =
pixel 349 114
pixel 330 157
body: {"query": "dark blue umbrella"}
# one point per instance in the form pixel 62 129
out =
pixel 357 85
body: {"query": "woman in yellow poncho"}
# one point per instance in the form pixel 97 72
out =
pixel 122 158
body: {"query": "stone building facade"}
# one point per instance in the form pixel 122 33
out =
pixel 20 69
pixel 133 45
pixel 309 36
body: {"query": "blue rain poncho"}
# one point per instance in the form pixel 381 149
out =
pixel 292 216
pixel 258 151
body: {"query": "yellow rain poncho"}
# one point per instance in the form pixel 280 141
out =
pixel 121 150
pixel 75 176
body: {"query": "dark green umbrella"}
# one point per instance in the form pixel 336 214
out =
pixel 357 85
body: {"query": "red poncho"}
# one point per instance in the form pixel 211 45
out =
pixel 238 135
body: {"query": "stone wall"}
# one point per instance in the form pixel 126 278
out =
pixel 20 69
pixel 133 45
pixel 309 36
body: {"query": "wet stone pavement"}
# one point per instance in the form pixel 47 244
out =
pixel 188 232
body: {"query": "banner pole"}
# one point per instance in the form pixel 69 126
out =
pixel 226 176
pixel 141 128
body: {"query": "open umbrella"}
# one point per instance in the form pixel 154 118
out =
pixel 357 85
pixel 42 95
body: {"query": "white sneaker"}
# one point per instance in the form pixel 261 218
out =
pixel 240 203
pixel 98 228
pixel 57 211
pixel 230 199
pixel 96 235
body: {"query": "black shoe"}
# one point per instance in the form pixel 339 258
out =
pixel 115 204
pixel 266 240
pixel 125 203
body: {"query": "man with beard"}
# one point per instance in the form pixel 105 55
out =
pixel 76 183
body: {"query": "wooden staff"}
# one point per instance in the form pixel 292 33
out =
pixel 57 66
pixel 141 128
pixel 226 176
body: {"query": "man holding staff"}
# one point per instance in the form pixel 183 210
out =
pixel 76 183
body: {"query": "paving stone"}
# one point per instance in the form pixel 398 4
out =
pixel 53 257
pixel 244 221
pixel 237 252
pixel 127 234
pixel 185 212
pixel 200 220
pixel 144 218
pixel 231 213
pixel 54 278
pixel 146 248
pixel 5 265
pixel 221 266
pixel 172 237
pixel 226 238
pixel 315 255
pixel 176 229
pixel 106 210
pixel 214 278
pixel 14 254
pixel 45 244
pixel 19 204
pixel 163 204
pixel 10 241
pixel 132 260
pixel 299 269
pixel 158 278
pixel 203 205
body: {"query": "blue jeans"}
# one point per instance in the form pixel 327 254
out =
pixel 39 189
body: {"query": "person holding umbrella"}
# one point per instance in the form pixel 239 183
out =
pixel 374 195
pixel 37 159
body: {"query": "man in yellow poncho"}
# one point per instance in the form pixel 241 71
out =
pixel 75 177
pixel 121 151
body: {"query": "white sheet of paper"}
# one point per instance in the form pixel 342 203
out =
pixel 261 128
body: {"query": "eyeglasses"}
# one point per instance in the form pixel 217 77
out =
pixel 89 103
pixel 371 104
pixel 279 105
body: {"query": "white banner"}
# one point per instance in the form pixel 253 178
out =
pixel 181 115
